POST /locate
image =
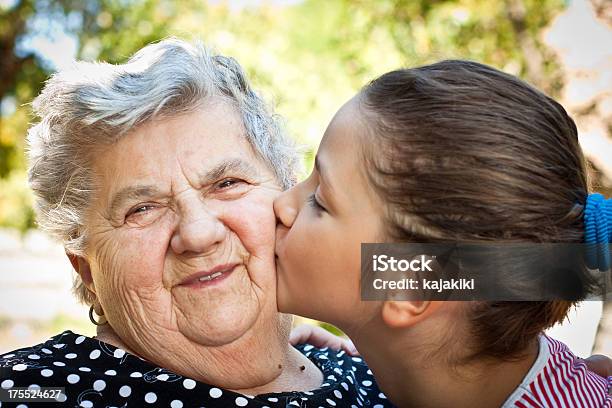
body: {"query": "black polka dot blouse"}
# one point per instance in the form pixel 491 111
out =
pixel 96 374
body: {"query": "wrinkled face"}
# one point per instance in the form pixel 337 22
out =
pixel 182 233
pixel 322 223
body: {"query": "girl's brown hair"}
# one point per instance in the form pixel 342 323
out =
pixel 467 153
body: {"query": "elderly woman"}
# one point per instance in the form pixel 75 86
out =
pixel 158 177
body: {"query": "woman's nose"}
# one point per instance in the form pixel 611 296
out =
pixel 285 208
pixel 199 231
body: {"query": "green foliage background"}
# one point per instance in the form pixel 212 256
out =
pixel 306 57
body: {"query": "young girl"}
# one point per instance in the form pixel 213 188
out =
pixel 451 152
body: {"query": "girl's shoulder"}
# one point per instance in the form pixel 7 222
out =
pixel 558 378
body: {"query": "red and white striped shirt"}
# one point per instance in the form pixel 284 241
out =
pixel 559 379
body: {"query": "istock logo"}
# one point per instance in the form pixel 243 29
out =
pixel 384 263
pixel 486 271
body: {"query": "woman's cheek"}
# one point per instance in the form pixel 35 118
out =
pixel 106 270
pixel 253 220
pixel 142 258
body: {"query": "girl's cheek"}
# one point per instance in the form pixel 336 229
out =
pixel 301 239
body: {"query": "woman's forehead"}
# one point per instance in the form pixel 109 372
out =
pixel 209 130
pixel 200 146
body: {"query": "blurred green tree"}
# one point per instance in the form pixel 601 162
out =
pixel 108 30
pixel 306 57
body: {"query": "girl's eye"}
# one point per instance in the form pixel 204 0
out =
pixel 312 200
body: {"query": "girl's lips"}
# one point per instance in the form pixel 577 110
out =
pixel 209 278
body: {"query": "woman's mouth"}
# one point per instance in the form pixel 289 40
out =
pixel 211 277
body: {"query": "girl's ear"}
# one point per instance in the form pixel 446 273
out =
pixel 400 314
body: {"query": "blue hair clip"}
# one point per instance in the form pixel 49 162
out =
pixel 598 231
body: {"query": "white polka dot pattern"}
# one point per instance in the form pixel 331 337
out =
pixel 98 374
pixel 125 391
pixel 150 397
pixel 73 379
pixel 241 402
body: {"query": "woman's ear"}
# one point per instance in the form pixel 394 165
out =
pixel 399 314
pixel 81 266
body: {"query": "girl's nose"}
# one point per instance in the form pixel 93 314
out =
pixel 286 207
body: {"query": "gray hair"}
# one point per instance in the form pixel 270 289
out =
pixel 95 104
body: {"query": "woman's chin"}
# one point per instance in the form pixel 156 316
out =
pixel 214 330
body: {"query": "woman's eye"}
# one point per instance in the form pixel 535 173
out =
pixel 312 200
pixel 227 183
pixel 137 213
pixel 141 209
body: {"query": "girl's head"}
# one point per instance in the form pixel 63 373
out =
pixel 453 151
